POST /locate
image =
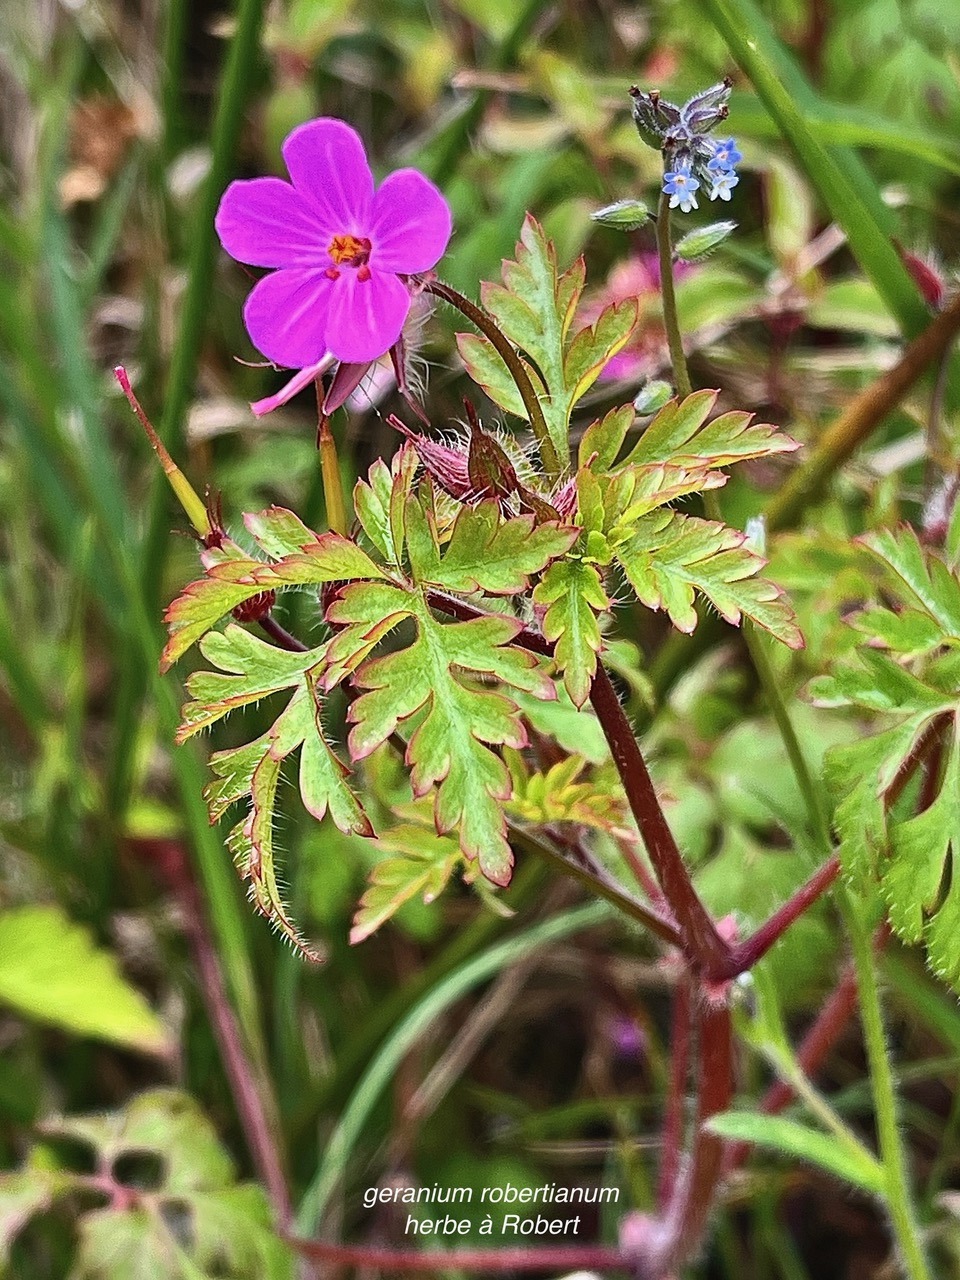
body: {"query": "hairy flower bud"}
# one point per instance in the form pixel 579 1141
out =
pixel 699 244
pixel 625 215
pixel 653 396
pixel 256 607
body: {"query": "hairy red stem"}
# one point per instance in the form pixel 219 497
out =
pixel 491 1261
pixel 747 953
pixel 660 1245
pixel 702 944
pixel 169 857
pixel 671 1139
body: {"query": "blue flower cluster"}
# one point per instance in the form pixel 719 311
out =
pixel 691 158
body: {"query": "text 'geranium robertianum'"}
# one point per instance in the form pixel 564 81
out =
pixel 340 251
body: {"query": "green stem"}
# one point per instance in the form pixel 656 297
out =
pixel 330 471
pixel 811 792
pixel 671 321
pixel 531 402
pixel 611 892
pixel 892 1151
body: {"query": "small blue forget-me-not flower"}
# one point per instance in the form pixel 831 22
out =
pixel 691 159
pixel 723 184
pixel 725 156
pixel 680 186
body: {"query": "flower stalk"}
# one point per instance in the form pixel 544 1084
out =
pixel 671 321
pixel 531 402
pixel 333 498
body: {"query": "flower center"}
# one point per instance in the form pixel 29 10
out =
pixel 349 251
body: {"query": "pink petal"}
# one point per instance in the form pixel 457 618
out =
pixel 294 385
pixel 411 223
pixel 365 317
pixel 265 222
pixel 328 166
pixel 286 314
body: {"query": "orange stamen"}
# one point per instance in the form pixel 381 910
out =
pixel 349 250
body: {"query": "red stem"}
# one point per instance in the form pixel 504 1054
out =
pixel 492 1261
pixel 672 1137
pixel 280 635
pixel 686 1216
pixel 745 955
pixel 702 944
pixel 640 873
pixel 169 857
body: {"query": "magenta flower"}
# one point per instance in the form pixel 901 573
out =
pixel 339 250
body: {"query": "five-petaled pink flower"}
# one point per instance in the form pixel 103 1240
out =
pixel 339 249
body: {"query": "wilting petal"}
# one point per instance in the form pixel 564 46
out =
pixel 365 317
pixel 286 315
pixel 343 384
pixel 265 222
pixel 293 386
pixel 411 223
pixel 328 166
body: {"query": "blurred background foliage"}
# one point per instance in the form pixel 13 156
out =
pixel 122 121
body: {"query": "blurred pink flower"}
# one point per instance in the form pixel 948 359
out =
pixel 635 277
pixel 338 249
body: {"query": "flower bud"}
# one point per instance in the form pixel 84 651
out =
pixel 256 607
pixel 700 243
pixel 652 396
pixel 625 215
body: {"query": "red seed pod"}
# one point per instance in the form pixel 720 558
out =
pixel 925 276
pixel 328 593
pixel 256 607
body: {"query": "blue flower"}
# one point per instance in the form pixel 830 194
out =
pixel 680 186
pixel 723 184
pixel 725 155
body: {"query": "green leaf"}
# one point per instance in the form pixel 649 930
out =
pixel 913 855
pixel 560 795
pixel 574 594
pixel 128 1244
pixel 913 875
pixel 51 970
pixel 23 1196
pixel 800 1142
pixel 488 371
pixel 671 557
pixel 920 579
pixel 602 441
pixel 197 1223
pixel 423 865
pixel 380 502
pixel 576 729
pixel 458 717
pixel 234 578
pixel 534 308
pixel 249 670
pixel 162 1122
pixel 278 532
pixel 488 553
pixel 677 435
